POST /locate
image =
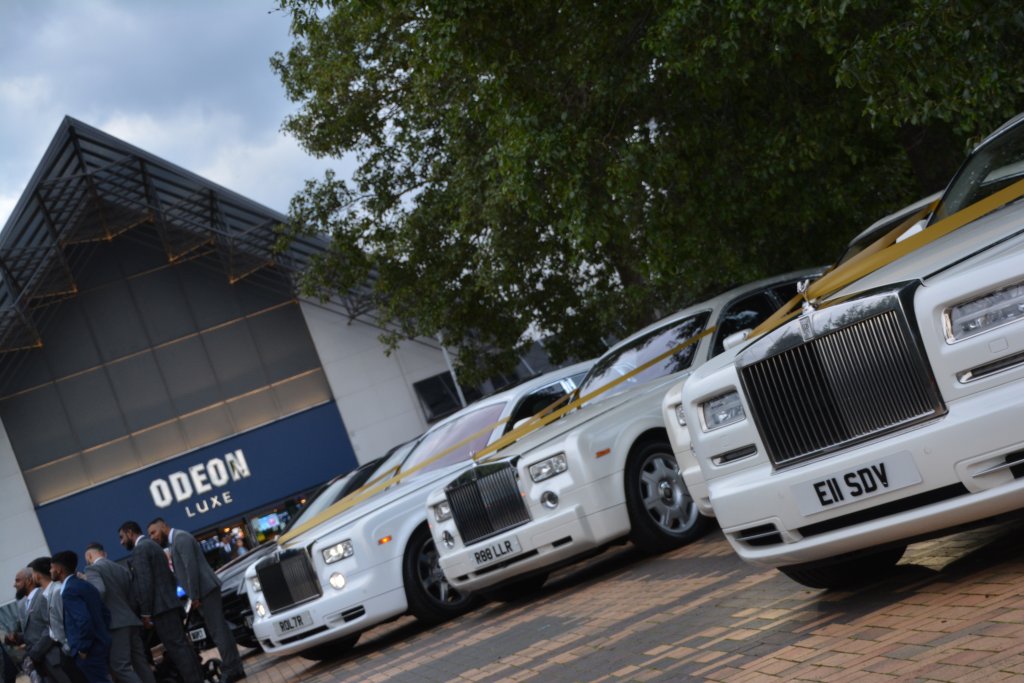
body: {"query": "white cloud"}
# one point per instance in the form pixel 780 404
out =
pixel 187 81
pixel 268 169
pixel 25 93
pixel 7 203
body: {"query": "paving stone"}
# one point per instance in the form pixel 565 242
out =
pixel 953 610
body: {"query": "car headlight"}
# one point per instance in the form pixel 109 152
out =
pixel 338 551
pixel 442 511
pixel 548 467
pixel 255 583
pixel 680 415
pixel 984 313
pixel 722 410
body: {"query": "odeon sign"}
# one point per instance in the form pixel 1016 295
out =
pixel 204 479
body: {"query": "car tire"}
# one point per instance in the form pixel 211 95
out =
pixel 662 513
pixel 212 671
pixel 853 571
pixel 431 598
pixel 516 589
pixel 331 650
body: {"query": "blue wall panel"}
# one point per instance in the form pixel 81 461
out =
pixel 207 486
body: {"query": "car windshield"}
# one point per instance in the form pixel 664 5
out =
pixel 643 349
pixel 991 168
pixel 336 490
pixel 456 440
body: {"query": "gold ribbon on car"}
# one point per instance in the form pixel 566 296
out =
pixel 886 250
pixel 542 418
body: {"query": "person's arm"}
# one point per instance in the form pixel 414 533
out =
pixel 93 576
pixel 144 584
pixel 190 554
pixel 76 623
pixel 57 617
pixel 38 649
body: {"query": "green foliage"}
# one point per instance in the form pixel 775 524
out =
pixel 582 168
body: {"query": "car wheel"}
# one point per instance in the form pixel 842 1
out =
pixel 212 671
pixel 431 598
pixel 331 650
pixel 517 589
pixel 662 513
pixel 853 571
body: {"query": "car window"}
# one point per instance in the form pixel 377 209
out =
pixel 642 350
pixel 578 378
pixel 343 486
pixel 785 292
pixel 470 427
pixel 536 401
pixel 989 169
pixel 327 496
pixel 745 314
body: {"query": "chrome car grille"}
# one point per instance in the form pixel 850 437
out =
pixel 850 384
pixel 486 501
pixel 288 579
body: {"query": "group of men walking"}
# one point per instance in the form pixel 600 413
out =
pixel 88 626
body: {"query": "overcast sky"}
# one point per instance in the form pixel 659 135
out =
pixel 188 81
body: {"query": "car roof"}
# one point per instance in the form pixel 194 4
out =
pixel 717 302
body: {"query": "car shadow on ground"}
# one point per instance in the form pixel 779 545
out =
pixel 969 554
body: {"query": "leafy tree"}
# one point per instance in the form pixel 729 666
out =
pixel 581 169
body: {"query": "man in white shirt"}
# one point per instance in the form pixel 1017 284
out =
pixel 56 665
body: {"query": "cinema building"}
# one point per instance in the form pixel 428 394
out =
pixel 155 359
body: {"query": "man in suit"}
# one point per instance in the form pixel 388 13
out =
pixel 22 586
pixel 127 656
pixel 202 586
pixel 86 619
pixel 32 615
pixel 48 651
pixel 157 594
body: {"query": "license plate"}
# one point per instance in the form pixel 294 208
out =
pixel 857 483
pixel 298 622
pixel 197 634
pixel 497 551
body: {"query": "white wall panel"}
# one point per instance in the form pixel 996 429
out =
pixel 21 539
pixel 373 391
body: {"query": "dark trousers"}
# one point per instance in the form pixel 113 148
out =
pixel 95 667
pixel 171 631
pixel 70 669
pixel 128 660
pixel 220 633
pixel 58 667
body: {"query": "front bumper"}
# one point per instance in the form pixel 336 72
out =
pixel 551 537
pixel 958 457
pixel 356 607
pixel 238 613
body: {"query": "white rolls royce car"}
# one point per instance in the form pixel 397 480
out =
pixel 342 570
pixel 602 473
pixel 889 410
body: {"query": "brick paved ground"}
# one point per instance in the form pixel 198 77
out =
pixel 953 611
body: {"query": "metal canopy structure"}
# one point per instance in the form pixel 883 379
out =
pixel 91 186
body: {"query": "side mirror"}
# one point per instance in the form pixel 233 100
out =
pixel 736 338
